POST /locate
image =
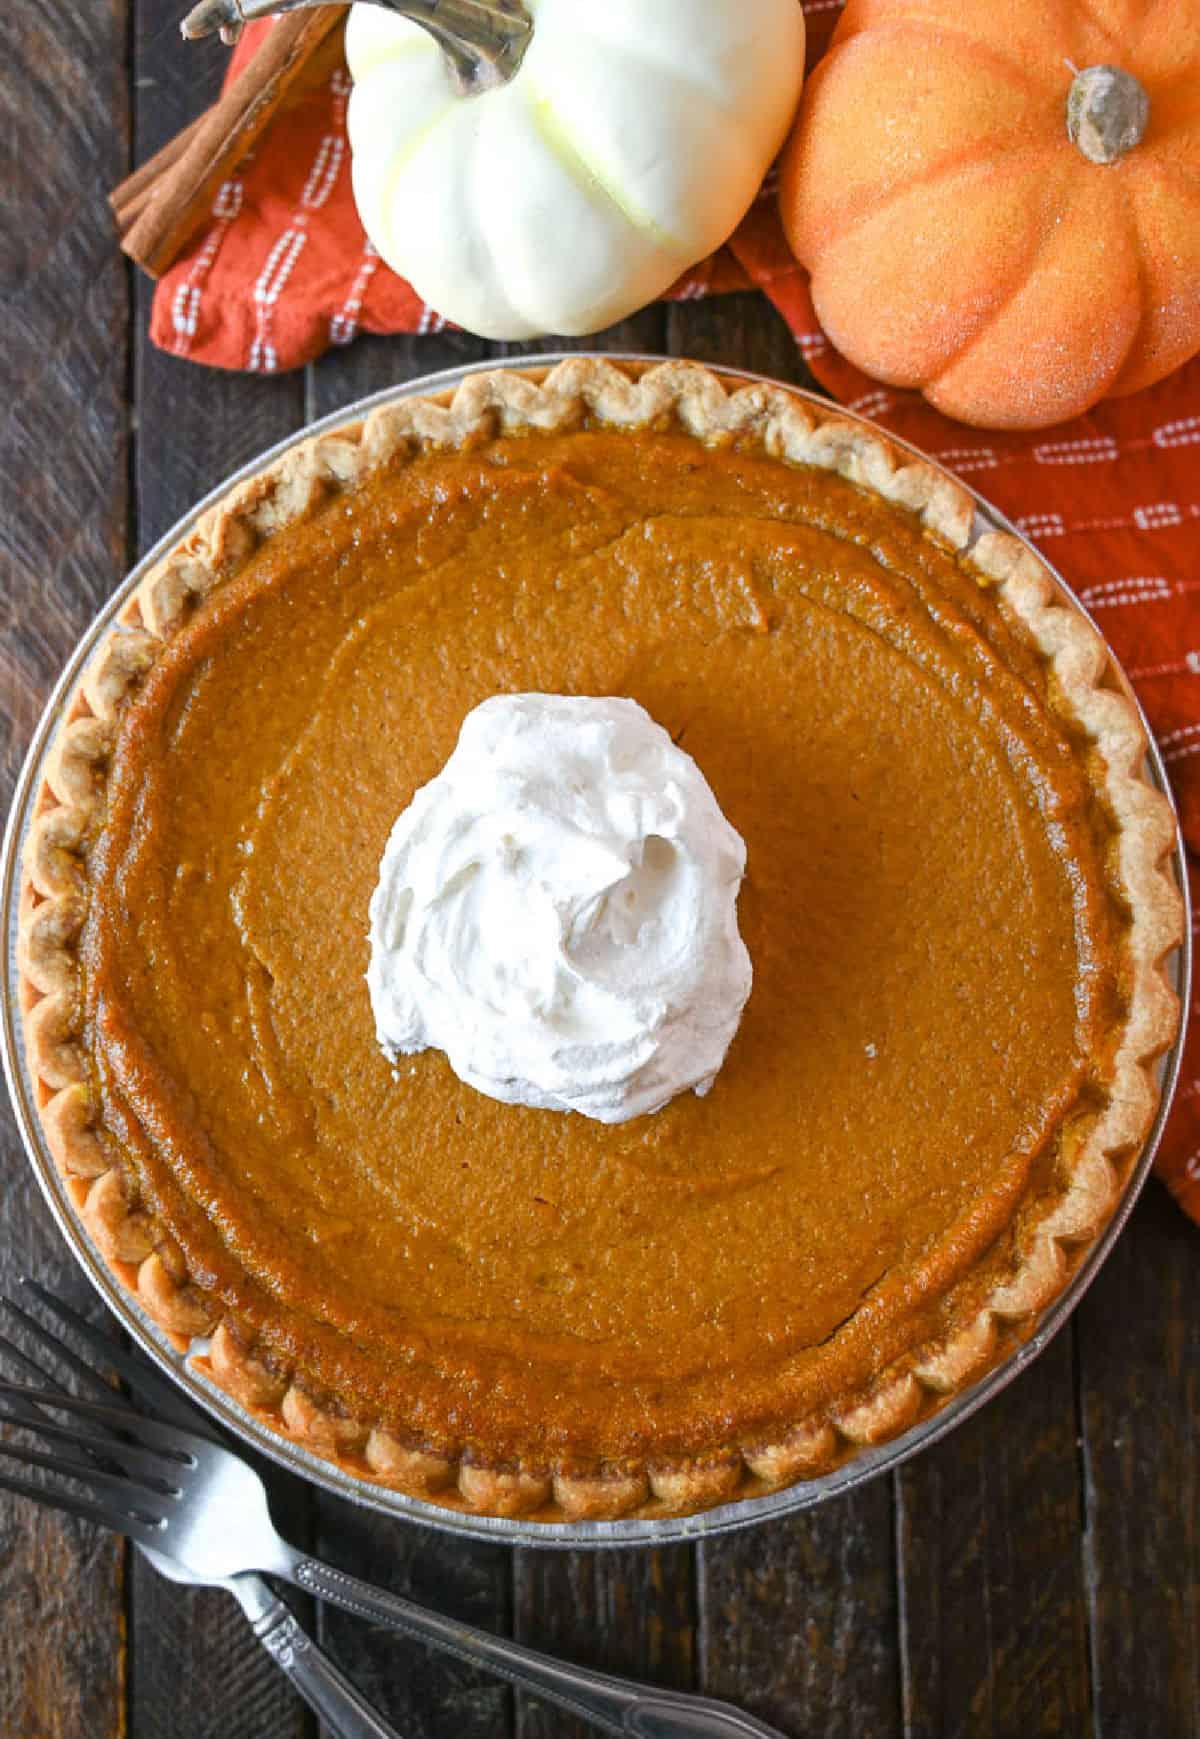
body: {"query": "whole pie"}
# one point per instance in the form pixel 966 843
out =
pixel 958 905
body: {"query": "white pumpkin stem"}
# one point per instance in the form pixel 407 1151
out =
pixel 483 40
pixel 1107 112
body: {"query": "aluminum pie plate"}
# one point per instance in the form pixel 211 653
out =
pixel 862 1466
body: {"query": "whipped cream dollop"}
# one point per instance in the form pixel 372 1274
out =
pixel 557 911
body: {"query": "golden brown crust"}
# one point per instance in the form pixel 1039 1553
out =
pixel 70 804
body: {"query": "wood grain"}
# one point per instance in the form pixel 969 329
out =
pixel 798 1619
pixel 629 1612
pixel 991 1575
pixel 425 1694
pixel 1139 1337
pixel 62 530
pixel 63 435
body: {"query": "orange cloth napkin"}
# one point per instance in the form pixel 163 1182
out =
pixel 283 270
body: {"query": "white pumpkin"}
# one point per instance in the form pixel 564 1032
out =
pixel 628 145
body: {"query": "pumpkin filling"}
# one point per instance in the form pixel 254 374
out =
pixel 938 951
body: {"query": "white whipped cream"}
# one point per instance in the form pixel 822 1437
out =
pixel 557 911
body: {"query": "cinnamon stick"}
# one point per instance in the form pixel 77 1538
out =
pixel 131 197
pixel 160 206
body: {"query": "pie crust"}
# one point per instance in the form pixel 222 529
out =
pixel 70 802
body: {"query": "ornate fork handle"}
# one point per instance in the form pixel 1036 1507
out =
pixel 323 1686
pixel 617 1705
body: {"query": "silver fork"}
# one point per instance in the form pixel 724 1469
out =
pixel 324 1687
pixel 184 1494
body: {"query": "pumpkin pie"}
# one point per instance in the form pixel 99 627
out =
pixel 958 904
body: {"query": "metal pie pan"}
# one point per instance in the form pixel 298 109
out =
pixel 864 1465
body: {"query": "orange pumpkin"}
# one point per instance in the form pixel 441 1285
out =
pixel 999 200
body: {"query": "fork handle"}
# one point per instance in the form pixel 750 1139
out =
pixel 616 1705
pixel 324 1688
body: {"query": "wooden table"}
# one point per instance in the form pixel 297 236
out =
pixel 1037 1573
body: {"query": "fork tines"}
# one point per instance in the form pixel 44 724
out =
pixel 115 1496
pixel 147 1383
pixel 155 1463
pixel 127 1473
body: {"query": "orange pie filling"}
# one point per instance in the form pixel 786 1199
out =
pixel 938 939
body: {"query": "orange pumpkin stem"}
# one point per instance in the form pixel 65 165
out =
pixel 1107 112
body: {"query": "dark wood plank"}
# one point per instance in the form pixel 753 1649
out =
pixel 630 1612
pixel 1139 1341
pixel 62 531
pixel 61 1590
pixel 989 1526
pixel 63 438
pixel 425 1694
pixel 798 1619
pixel 195 1668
